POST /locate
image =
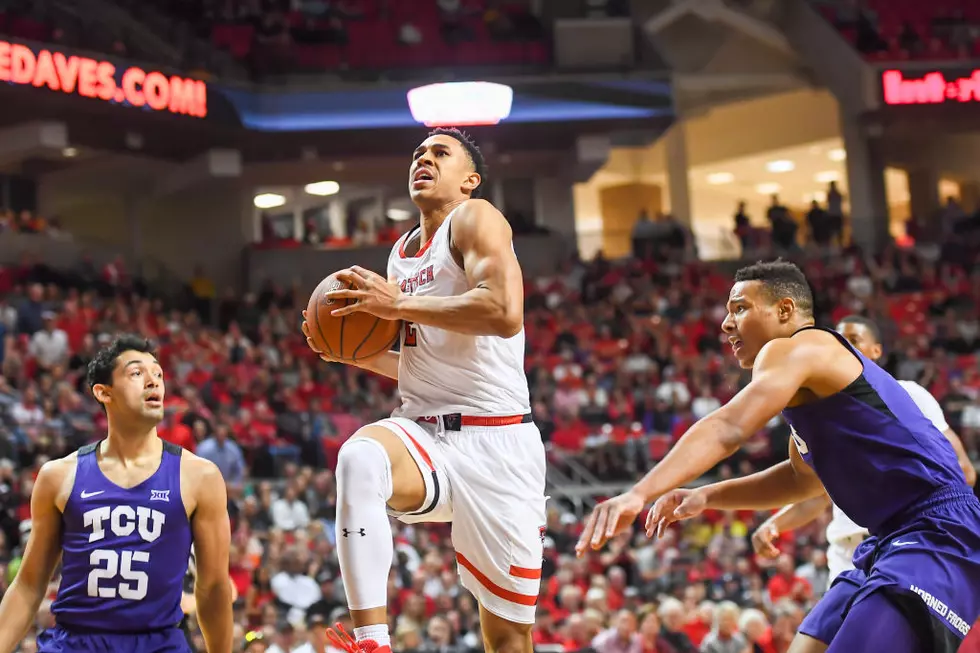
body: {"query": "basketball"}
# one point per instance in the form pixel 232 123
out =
pixel 351 338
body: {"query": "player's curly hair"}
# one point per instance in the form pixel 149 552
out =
pixel 473 153
pixel 781 278
pixel 101 367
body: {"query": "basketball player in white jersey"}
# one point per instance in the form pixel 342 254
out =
pixel 843 535
pixel 461 448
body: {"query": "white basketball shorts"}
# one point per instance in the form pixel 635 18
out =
pixel 489 481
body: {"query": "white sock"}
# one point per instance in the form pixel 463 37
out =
pixel 364 543
pixel 377 633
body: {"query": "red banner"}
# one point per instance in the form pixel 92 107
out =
pixel 930 88
pixel 97 80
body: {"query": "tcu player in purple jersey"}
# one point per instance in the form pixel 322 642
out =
pixel 856 434
pixel 120 514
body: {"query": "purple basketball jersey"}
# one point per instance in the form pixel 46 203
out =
pixel 125 550
pixel 876 453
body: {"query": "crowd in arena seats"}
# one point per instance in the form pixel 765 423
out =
pixel 895 30
pixel 290 36
pixel 622 356
pixel 28 222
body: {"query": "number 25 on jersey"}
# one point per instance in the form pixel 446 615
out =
pixel 115 571
pixel 132 582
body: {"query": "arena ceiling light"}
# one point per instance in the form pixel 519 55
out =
pixel 322 188
pixel 837 154
pixel 826 176
pixel 460 104
pixel 398 215
pixel 781 165
pixel 719 178
pixel 69 152
pixel 268 200
pixel 769 188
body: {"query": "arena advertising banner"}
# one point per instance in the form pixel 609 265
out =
pixel 43 70
pixel 930 87
pixel 98 79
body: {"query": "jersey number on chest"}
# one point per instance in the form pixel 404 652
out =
pixel 118 572
pixel 411 335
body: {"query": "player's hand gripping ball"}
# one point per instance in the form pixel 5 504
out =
pixel 337 329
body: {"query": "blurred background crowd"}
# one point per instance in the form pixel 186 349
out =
pixel 622 356
pixel 117 217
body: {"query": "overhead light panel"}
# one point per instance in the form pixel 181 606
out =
pixel 398 215
pixel 837 154
pixel 781 165
pixel 768 188
pixel 826 176
pixel 322 188
pixel 455 104
pixel 719 178
pixel 268 200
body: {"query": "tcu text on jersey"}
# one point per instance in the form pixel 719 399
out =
pixel 117 572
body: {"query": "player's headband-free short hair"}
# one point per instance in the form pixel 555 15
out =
pixel 472 152
pixel 781 279
pixel 866 322
pixel 101 367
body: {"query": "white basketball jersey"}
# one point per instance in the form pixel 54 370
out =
pixel 842 526
pixel 442 372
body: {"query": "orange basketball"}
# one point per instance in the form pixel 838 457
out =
pixel 352 338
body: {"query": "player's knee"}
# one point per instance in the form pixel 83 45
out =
pixel 363 471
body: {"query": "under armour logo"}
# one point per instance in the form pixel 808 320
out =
pixel 359 531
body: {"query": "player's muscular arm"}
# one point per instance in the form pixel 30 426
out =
pixel 791 481
pixel 781 369
pixel 22 599
pixel 212 538
pixel 494 304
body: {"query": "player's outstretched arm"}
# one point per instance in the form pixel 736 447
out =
pixel 791 481
pixel 781 369
pixel 789 518
pixel 25 594
pixel 494 304
pixel 212 540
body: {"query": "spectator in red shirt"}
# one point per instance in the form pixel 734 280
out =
pixel 577 633
pixel 699 623
pixel 757 631
pixel 544 630
pixel 786 584
pixel 176 432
